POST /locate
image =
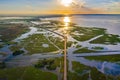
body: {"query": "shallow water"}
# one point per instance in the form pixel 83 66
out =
pixel 32 31
pixel 104 67
pixel 110 22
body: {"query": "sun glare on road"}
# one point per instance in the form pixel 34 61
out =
pixel 66 2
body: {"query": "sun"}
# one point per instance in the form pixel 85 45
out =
pixel 66 2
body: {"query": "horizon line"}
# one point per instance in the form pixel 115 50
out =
pixel 50 14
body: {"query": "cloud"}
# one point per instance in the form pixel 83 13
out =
pixel 113 6
pixel 81 7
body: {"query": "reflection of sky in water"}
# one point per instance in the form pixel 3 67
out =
pixel 111 68
pixel 110 22
pixel 107 68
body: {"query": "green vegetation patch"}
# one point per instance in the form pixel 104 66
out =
pixel 84 50
pixel 1 45
pixel 34 44
pixel 69 43
pixel 57 41
pixel 15 48
pixel 50 64
pixel 83 72
pixel 3 54
pixel 54 22
pixel 11 31
pixel 75 76
pixel 107 39
pixel 87 33
pixel 2 65
pixel 18 52
pixel 11 43
pixel 109 58
pixel 78 46
pixel 60 23
pixel 97 48
pixel 79 68
pixel 60 42
pixel 26 73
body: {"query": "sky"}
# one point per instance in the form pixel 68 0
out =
pixel 26 7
